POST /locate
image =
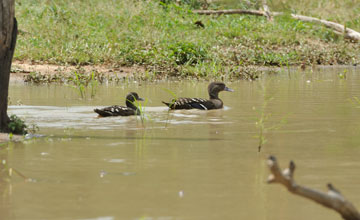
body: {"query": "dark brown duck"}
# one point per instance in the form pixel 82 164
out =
pixel 214 102
pixel 116 110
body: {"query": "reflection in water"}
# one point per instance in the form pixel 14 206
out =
pixel 184 164
pixel 5 186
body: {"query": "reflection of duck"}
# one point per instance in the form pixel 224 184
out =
pixel 190 103
pixel 116 110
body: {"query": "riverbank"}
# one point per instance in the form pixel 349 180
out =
pixel 165 40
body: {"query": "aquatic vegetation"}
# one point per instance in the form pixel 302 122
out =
pixel 264 118
pixel 17 125
pixel 80 85
pixel 92 79
pixel 83 81
pixel 93 85
pixel 38 78
pixel 141 106
pixel 33 128
pixel 173 100
pixel 343 74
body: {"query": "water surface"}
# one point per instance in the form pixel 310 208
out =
pixel 184 164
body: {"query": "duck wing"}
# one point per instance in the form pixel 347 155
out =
pixel 115 110
pixel 190 103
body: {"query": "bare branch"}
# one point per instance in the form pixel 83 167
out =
pixel 267 11
pixel 230 11
pixel 337 28
pixel 332 199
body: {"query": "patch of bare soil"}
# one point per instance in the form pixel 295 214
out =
pixel 21 68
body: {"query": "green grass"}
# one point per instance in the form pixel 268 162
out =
pixel 163 38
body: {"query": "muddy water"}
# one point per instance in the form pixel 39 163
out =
pixel 184 164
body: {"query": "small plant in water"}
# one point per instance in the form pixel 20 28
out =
pixel 342 75
pixel 17 125
pixel 93 85
pixel 172 102
pixel 264 118
pixel 80 85
pixel 141 108
pixel 82 82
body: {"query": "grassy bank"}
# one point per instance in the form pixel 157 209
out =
pixel 164 38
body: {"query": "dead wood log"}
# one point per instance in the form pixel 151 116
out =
pixel 230 11
pixel 332 199
pixel 340 29
pixel 337 28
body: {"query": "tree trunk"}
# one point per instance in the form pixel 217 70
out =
pixel 8 34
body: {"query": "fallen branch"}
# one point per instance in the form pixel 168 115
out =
pixel 230 11
pixel 340 29
pixel 337 28
pixel 332 199
pixel 267 11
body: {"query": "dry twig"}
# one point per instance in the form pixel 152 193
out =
pixel 332 199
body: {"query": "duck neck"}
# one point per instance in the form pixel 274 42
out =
pixel 131 105
pixel 214 95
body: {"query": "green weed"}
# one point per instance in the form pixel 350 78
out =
pixel 141 105
pixel 342 75
pixel 187 53
pixel 82 82
pixel 17 125
pixel 93 85
pixel 174 97
pixel 264 118
pixel 80 85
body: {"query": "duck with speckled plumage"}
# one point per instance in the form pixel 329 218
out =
pixel 214 102
pixel 116 110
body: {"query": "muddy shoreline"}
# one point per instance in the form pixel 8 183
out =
pixel 21 69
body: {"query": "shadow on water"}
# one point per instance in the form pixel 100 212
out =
pixel 5 185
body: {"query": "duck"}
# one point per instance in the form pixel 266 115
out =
pixel 116 110
pixel 214 102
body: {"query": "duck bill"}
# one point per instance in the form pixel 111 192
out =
pixel 228 89
pixel 140 99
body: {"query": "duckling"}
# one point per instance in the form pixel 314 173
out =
pixel 198 103
pixel 116 110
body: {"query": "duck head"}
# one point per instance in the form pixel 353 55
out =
pixel 215 87
pixel 131 99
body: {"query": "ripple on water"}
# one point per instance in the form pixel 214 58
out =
pixel 80 117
